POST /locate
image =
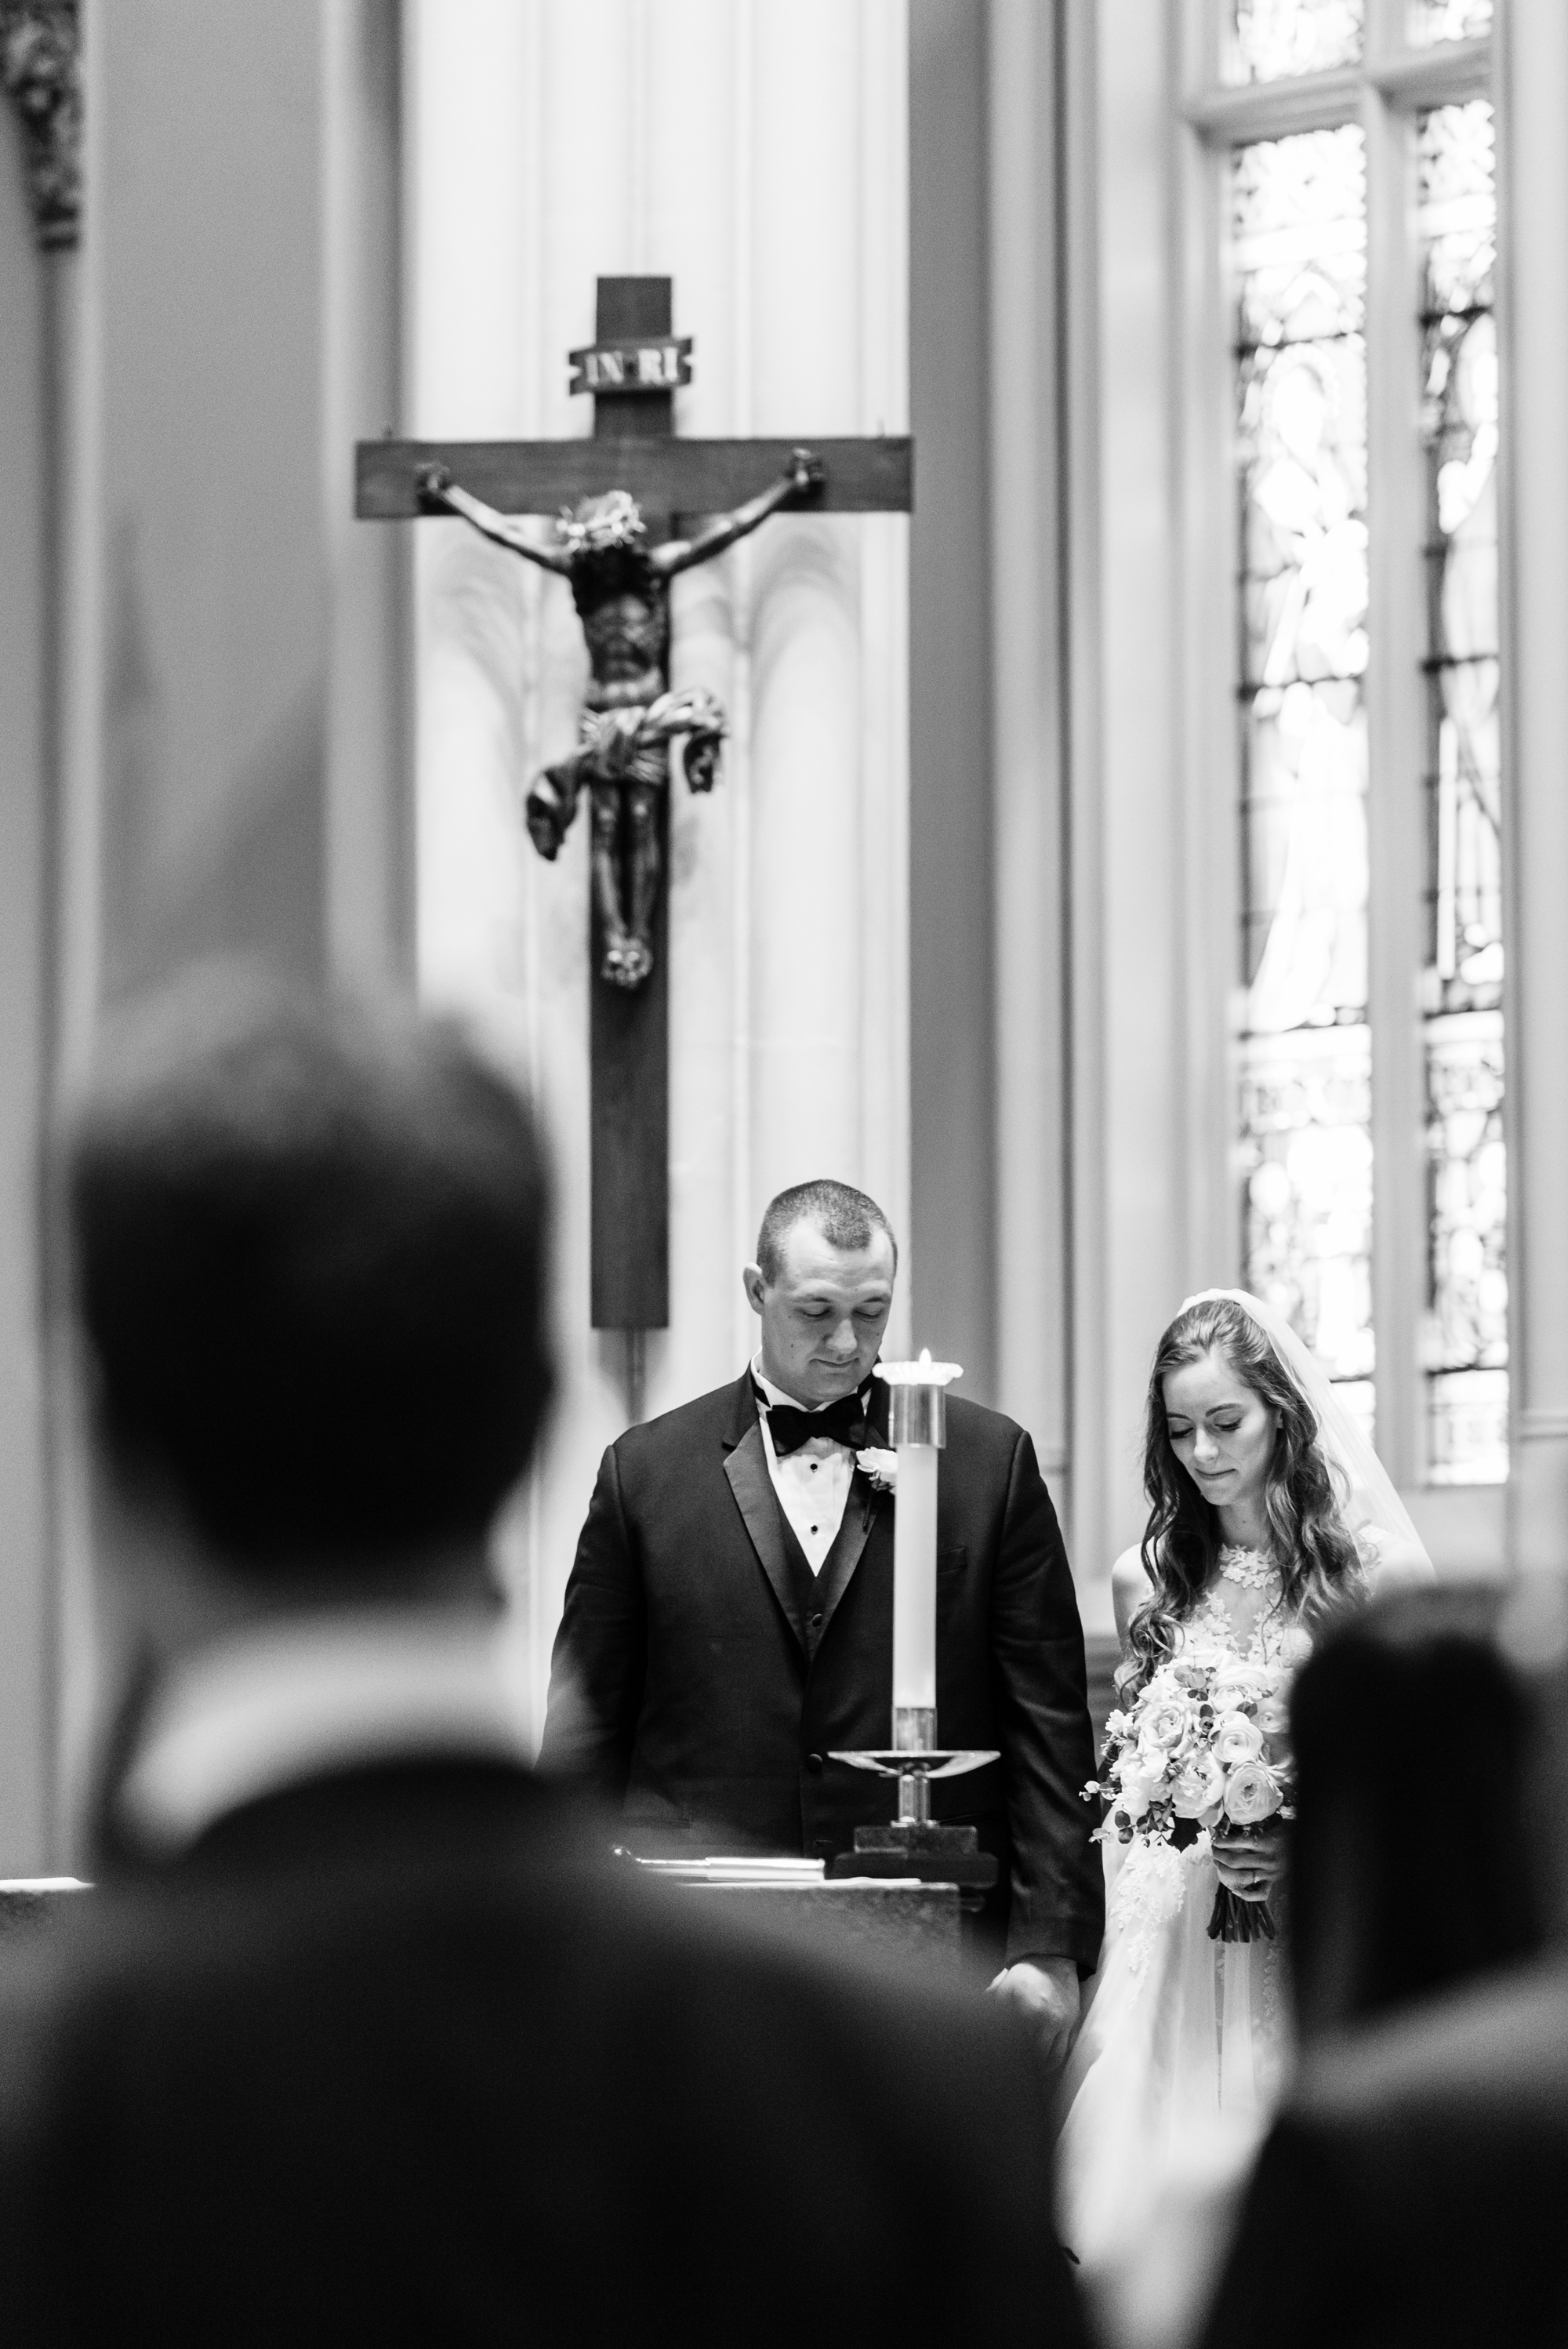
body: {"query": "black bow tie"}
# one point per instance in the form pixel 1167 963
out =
pixel 845 1421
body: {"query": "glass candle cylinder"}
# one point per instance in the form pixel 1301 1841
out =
pixel 917 1430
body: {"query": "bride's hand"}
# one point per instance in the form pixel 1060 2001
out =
pixel 1250 1865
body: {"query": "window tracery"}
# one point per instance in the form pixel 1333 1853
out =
pixel 1299 251
pixel 1465 1340
pixel 1315 488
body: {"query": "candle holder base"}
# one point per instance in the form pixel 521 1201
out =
pixel 914 1843
pixel 925 1848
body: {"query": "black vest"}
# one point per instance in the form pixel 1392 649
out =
pixel 812 1593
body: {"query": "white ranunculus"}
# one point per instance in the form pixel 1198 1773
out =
pixel 1237 1740
pixel 1252 1796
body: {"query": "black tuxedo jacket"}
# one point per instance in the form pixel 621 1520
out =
pixel 1412 2193
pixel 694 1684
pixel 385 2058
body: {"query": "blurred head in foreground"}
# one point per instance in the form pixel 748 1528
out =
pixel 1411 1861
pixel 308 1253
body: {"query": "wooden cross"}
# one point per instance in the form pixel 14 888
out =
pixel 631 371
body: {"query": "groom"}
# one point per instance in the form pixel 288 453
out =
pixel 728 1619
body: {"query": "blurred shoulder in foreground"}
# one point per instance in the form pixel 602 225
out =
pixel 1409 2191
pixel 360 2035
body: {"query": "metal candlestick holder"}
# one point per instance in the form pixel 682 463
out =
pixel 914 1843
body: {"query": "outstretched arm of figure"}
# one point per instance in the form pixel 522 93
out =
pixel 436 483
pixel 802 474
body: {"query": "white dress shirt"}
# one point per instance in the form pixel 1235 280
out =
pixel 813 1484
pixel 294 1698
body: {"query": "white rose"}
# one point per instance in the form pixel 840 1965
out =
pixel 881 1467
pixel 1137 1791
pixel 1200 1786
pixel 1165 1725
pixel 1237 1740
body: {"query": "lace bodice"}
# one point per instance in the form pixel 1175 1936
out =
pixel 1254 1570
pixel 1251 1623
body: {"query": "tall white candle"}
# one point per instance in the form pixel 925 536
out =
pixel 917 1427
pixel 914 1576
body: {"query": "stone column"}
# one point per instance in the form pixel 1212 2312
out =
pixel 755 153
pixel 228 736
pixel 243 334
pixel 30 284
pixel 1033 1104
pixel 958 947
pixel 1126 831
pixel 1535 249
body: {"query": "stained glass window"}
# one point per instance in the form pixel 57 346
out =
pixel 1299 252
pixel 1448 20
pixel 1466 1334
pixel 1273 38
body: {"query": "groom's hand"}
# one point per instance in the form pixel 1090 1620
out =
pixel 1045 1993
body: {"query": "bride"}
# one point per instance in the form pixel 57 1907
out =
pixel 1270 1514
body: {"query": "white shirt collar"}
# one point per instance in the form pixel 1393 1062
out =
pixel 292 1699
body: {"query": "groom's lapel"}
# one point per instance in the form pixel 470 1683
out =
pixel 862 1511
pixel 747 1468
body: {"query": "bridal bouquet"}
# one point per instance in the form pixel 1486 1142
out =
pixel 1202 1750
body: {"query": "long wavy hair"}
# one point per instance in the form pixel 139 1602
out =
pixel 1304 1498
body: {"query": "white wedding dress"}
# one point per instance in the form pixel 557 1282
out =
pixel 1186 2041
pixel 1183 2051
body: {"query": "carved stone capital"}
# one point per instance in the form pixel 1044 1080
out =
pixel 41 66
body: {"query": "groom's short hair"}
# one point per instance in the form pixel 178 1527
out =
pixel 845 1218
pixel 310 1260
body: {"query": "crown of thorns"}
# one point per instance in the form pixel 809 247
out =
pixel 602 526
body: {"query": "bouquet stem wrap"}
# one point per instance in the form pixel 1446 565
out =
pixel 1232 1918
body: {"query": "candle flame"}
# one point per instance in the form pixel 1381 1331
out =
pixel 925 1358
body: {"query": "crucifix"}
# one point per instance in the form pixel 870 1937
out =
pixel 620 502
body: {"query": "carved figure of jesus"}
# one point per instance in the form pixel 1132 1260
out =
pixel 620 585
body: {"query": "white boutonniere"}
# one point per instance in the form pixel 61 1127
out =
pixel 881 1467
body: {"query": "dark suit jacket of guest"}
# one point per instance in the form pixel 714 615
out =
pixel 693 1682
pixel 1413 2190
pixel 384 2059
